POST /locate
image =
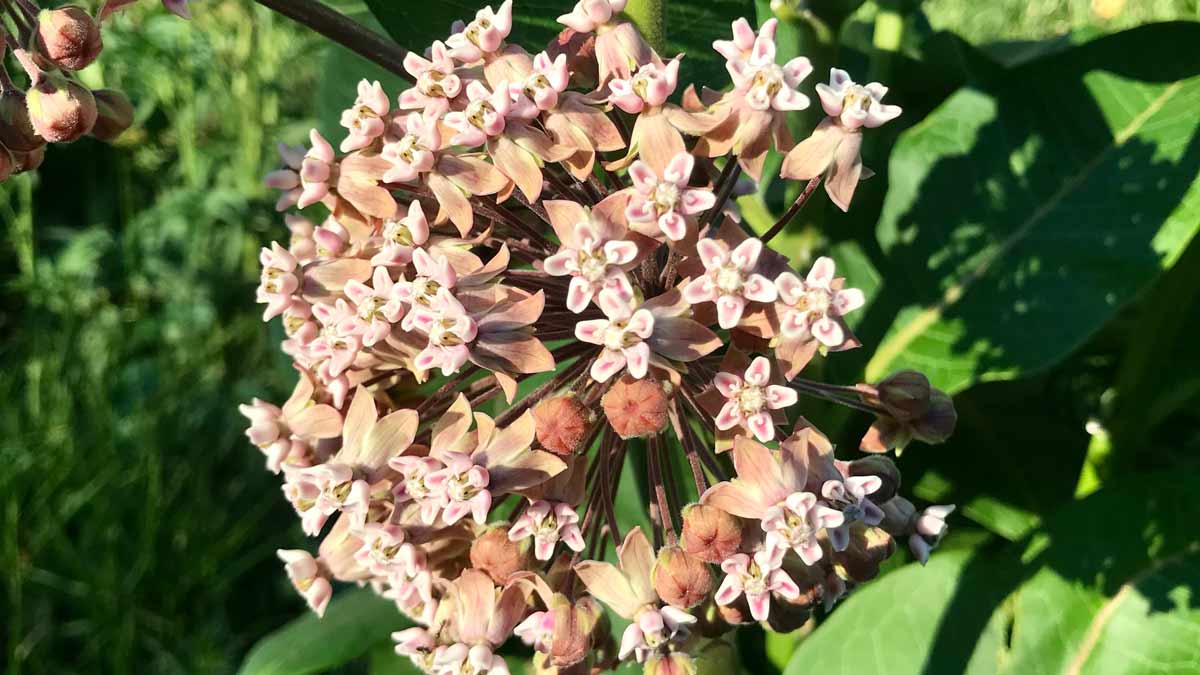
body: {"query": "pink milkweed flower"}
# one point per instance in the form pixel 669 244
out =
pixel 287 179
pixel 742 45
pixel 668 200
pixel 816 305
pixel 484 35
pixel 749 400
pixel 548 523
pixel 930 528
pixel 381 547
pixel 772 488
pixel 593 253
pixel 835 147
pixel 730 279
pixel 764 84
pixel 419 645
pixel 416 486
pixel 651 86
pixel 279 282
pixel 464 485
pixel 331 238
pixel 301 243
pixel 273 428
pixel 298 322
pixel 855 105
pixel 402 235
pixel 432 275
pixel 623 335
pixel 307 577
pixel 620 48
pixel 484 116
pixel 366 119
pixel 410 147
pixel 850 496
pixel 756 578
pixel 335 343
pixel 377 307
pixel 317 171
pixel 588 15
pixel 537 631
pixel 450 331
pixel 436 82
pixel 629 591
pixel 543 86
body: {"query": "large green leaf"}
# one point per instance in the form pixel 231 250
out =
pixel 1106 586
pixel 692 25
pixel 1022 215
pixel 355 622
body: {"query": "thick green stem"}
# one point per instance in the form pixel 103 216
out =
pixel 650 16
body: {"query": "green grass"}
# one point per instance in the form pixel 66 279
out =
pixel 995 20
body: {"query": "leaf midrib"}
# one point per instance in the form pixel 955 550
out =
pixel 891 348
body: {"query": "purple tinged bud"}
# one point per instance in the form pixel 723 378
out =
pixel 29 161
pixel 937 424
pixel 883 468
pixel 868 548
pixel 114 114
pixel 61 110
pixel 905 395
pixel 681 580
pixel 68 37
pixel 16 131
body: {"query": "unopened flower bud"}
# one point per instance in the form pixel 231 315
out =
pixel 16 132
pixel 882 467
pixel 337 551
pixel 905 394
pixel 710 534
pixel 899 516
pixel 636 408
pixel 61 110
pixel 68 37
pixel 937 424
pixel 500 558
pixel 114 114
pixel 562 423
pixel 575 625
pixel 681 580
pixel 869 547
pixel 789 615
pixel 28 161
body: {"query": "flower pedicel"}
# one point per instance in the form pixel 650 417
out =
pixel 510 299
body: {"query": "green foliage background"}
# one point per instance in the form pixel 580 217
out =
pixel 138 527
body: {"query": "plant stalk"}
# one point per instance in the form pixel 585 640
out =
pixel 344 31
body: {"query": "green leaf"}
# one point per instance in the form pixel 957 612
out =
pixel 356 621
pixel 692 25
pixel 1020 217
pixel 1106 586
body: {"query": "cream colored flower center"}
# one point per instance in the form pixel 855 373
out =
pixel 477 112
pixel 423 290
pixel 856 96
pixel 617 337
pixel 593 265
pixel 729 279
pixel 398 233
pixel 430 83
pixel 666 197
pixel 443 333
pixel 751 399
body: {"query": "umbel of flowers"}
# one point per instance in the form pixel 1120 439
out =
pixel 531 273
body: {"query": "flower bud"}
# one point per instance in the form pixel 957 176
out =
pixel 61 110
pixel 675 663
pixel 636 408
pixel 16 132
pixel 68 37
pixel 114 114
pixel 905 394
pixel 869 547
pixel 562 422
pixel 936 425
pixel 789 615
pixel 710 534
pixel 681 580
pixel 337 551
pixel 500 558
pixel 29 161
pixel 882 467
pixel 899 516
pixel 575 625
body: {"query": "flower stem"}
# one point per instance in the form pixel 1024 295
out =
pixel 344 31
pixel 793 210
pixel 650 16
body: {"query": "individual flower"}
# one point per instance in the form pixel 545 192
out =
pixel 658 129
pixel 306 576
pixel 275 429
pixel 382 545
pixel 851 496
pixel 336 344
pixel 482 36
pixel 548 523
pixel 815 306
pixel 593 252
pixel 366 119
pixel 666 201
pixel 741 47
pixel 929 530
pixel 410 147
pixel 749 400
pixel 835 148
pixel 629 591
pixel 287 179
pixel 450 330
pixel 619 47
pixel 377 307
pixel 402 235
pixel 279 282
pixel 623 334
pixel 318 172
pixel 436 83
pixel 730 280
pixel 757 578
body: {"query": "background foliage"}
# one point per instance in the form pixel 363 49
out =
pixel 1029 242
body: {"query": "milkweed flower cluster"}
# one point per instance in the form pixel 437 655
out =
pixel 511 296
